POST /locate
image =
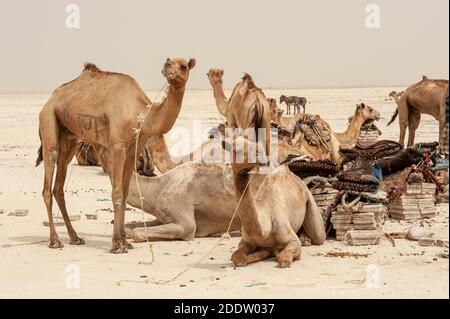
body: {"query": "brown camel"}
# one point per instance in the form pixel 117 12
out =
pixel 248 108
pixel 428 97
pixel 215 78
pixel 104 109
pixel 272 217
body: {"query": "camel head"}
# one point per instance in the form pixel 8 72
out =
pixel 244 154
pixel 273 109
pixel 215 76
pixel 366 112
pixel 176 71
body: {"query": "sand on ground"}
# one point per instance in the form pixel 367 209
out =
pixel 29 269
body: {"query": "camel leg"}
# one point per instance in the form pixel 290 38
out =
pixel 403 120
pixel 131 226
pixel 258 256
pixel 49 140
pixel 291 252
pixel 118 158
pixel 127 174
pixel 67 146
pixel 313 222
pixel 441 125
pixel 239 257
pixel 414 121
pixel 165 232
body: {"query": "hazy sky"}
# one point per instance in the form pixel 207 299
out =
pixel 281 43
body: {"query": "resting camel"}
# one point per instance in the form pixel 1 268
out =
pixel 363 113
pixel 272 216
pixel 427 96
pixel 102 108
pixel 215 78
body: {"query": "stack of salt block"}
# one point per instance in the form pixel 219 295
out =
pixel 360 224
pixel 368 133
pixel 416 202
pixel 323 198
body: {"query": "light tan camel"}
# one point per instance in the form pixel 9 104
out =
pixel 216 80
pixel 272 216
pixel 102 108
pixel 428 97
pixel 363 113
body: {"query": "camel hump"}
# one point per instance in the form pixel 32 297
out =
pixel 88 66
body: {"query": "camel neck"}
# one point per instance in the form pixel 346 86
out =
pixel 353 130
pixel 150 188
pixel 247 209
pixel 162 116
pixel 219 96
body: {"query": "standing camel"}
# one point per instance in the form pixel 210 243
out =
pixel 216 81
pixel 428 97
pixel 104 109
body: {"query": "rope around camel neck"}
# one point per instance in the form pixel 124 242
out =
pixel 141 198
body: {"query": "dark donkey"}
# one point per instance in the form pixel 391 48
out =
pixel 297 101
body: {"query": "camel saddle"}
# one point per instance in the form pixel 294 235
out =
pixel 314 129
pixel 370 150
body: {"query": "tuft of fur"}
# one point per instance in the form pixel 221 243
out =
pixel 91 67
pixel 394 116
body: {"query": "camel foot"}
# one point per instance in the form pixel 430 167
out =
pixel 284 260
pixel 305 240
pixel 126 244
pixel 238 259
pixel 55 243
pixel 119 248
pixel 76 241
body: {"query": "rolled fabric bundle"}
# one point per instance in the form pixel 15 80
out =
pixel 374 151
pixel 304 166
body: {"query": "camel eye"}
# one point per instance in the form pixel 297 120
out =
pixel 184 67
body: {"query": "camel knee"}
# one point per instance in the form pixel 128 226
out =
pixel 319 239
pixel 53 156
pixel 188 232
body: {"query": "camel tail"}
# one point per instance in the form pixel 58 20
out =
pixel 394 116
pixel 39 159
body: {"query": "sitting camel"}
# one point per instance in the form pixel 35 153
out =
pixel 104 109
pixel 272 216
pixel 427 96
pixel 330 147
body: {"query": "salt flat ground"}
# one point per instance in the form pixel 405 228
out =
pixel 29 269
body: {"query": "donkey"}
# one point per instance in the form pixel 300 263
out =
pixel 294 100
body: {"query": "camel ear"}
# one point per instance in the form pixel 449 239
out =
pixel 221 72
pixel 192 63
pixel 360 106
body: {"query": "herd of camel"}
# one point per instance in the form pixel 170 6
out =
pixel 191 199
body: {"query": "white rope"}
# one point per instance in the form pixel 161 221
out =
pixel 141 121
